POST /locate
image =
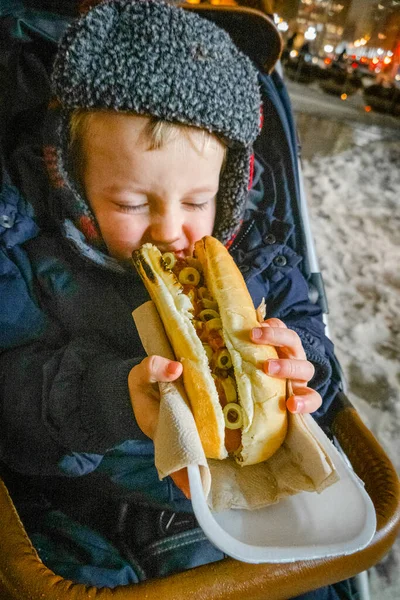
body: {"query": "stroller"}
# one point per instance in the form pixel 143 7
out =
pixel 29 33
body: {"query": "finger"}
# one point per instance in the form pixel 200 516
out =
pixel 159 369
pixel 273 322
pixel 181 480
pixel 145 403
pixel 287 368
pixel 281 337
pixel 304 400
pixel 147 416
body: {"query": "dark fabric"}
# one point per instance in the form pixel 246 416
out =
pixel 84 555
pixel 21 317
pixel 344 590
pixel 325 593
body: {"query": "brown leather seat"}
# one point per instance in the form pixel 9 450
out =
pixel 24 577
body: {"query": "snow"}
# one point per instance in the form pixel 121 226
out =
pixel 354 200
pixel 354 204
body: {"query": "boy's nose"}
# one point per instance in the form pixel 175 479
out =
pixel 167 229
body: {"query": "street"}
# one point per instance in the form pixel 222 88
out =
pixel 311 99
pixel 328 125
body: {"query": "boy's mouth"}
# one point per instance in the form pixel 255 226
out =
pixel 181 253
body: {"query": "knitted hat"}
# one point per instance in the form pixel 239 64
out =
pixel 152 58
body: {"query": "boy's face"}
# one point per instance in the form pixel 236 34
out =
pixel 165 196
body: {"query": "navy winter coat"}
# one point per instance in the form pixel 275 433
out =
pixel 20 317
pixel 64 382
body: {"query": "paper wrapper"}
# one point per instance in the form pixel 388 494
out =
pixel 299 465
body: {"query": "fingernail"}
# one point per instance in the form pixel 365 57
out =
pixel 256 333
pixel 172 368
pixel 299 405
pixel 273 367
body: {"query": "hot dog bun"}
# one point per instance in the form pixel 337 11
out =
pixel 261 397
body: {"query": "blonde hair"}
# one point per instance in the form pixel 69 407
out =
pixel 159 134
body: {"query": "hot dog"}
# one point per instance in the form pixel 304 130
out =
pixel 207 314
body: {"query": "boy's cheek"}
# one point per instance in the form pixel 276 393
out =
pixel 120 239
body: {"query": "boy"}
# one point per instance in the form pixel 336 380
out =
pixel 149 139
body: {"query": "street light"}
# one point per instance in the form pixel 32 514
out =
pixel 311 33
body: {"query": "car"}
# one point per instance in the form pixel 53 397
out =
pixel 383 98
pixel 300 69
pixel 305 68
pixel 340 79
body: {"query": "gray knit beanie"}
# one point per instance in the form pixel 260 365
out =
pixel 152 58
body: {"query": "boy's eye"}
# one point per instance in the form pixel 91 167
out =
pixel 132 208
pixel 196 206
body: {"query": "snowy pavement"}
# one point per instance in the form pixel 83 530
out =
pixel 352 177
pixel 326 136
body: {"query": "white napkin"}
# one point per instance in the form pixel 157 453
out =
pixel 300 464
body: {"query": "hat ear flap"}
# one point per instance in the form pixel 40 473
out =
pixel 88 226
pixel 229 243
pixel 251 172
pixel 232 193
pixel 261 120
pixel 260 126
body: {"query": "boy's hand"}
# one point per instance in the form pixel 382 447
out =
pixel 145 398
pixel 144 392
pixel 292 364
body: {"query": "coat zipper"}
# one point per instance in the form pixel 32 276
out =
pixel 237 242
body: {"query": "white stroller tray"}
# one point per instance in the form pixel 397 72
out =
pixel 339 521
